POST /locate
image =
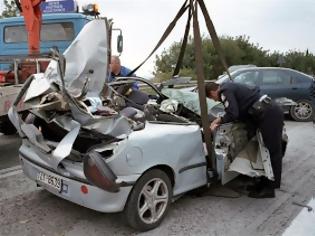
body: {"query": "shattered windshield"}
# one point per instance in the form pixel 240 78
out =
pixel 191 101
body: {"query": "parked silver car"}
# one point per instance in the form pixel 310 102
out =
pixel 126 150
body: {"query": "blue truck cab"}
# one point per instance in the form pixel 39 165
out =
pixel 58 29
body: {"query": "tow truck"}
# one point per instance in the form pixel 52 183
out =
pixel 26 40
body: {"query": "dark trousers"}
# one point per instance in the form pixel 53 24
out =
pixel 271 126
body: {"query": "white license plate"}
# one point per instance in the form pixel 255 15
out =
pixel 50 180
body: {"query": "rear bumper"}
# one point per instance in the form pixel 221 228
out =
pixel 96 198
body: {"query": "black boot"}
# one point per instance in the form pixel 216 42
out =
pixel 256 185
pixel 265 192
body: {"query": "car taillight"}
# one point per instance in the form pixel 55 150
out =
pixel 2 77
pixel 98 172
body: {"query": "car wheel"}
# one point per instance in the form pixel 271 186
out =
pixel 302 111
pixel 149 200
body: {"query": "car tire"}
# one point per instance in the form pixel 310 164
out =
pixel 6 127
pixel 149 200
pixel 303 111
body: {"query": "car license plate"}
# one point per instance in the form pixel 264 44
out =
pixel 50 180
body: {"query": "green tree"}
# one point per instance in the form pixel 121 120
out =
pixel 10 9
pixel 237 50
pixel 300 61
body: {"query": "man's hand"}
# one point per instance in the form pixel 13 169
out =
pixel 214 124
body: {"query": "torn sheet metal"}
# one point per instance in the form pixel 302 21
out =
pixel 115 126
pixel 40 85
pixel 265 157
pixel 65 146
pixel 53 102
pixel 80 111
pixel 247 162
pixel 237 155
pixel 35 136
pixel 65 122
pixel 85 61
pixel 16 120
pixel 95 102
pixel 229 140
pixel 13 112
pixel 86 57
pixel 253 160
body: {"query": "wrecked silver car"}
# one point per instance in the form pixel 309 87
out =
pixel 111 148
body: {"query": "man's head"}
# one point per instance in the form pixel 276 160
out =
pixel 115 65
pixel 212 91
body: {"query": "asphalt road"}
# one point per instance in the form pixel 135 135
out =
pixel 9 150
pixel 28 210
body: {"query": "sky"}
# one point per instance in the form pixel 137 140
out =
pixel 276 25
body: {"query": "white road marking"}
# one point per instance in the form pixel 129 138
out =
pixel 15 170
pixel 303 224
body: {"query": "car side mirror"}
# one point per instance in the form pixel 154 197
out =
pixel 120 43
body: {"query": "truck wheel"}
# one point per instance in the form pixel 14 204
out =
pixel 149 200
pixel 6 127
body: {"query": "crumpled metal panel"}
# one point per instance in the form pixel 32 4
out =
pixel 80 112
pixel 35 136
pixel 86 54
pixel 236 154
pixel 39 86
pixel 264 155
pixel 86 69
pixel 64 147
pixel 116 126
pixel 253 160
pixel 16 120
pixel 66 122
pixel 85 61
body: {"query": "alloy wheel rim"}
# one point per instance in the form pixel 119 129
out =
pixel 303 110
pixel 153 200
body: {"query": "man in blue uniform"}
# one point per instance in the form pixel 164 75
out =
pixel 245 104
pixel 117 70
